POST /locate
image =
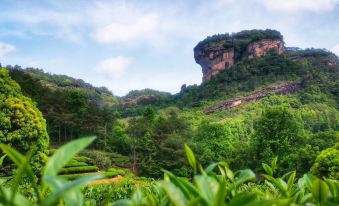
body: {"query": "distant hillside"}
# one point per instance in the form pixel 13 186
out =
pixel 134 102
pixel 99 96
pixel 71 107
pixel 311 67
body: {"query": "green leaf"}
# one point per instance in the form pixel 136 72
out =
pixel 185 186
pixel 2 160
pixel 221 194
pixel 334 188
pixel 211 167
pixel 243 199
pixel 320 190
pixel 65 154
pixel 13 154
pixel 244 176
pixel 62 189
pixel 191 158
pixel 19 199
pixel 267 169
pixel 291 181
pixel 274 165
pixel 175 196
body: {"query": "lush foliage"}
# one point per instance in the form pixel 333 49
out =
pixel 217 184
pixel 225 187
pixel 21 123
pixel 71 107
pixel 50 189
pixel 239 41
pixel 327 163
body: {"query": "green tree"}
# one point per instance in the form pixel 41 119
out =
pixel 120 141
pixel 327 163
pixel 279 132
pixel 21 123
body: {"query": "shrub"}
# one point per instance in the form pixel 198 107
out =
pixel 101 158
pixel 84 159
pixel 74 163
pixel 80 169
pixel 327 163
pixel 76 176
pixel 21 123
pixel 119 160
pixel 116 171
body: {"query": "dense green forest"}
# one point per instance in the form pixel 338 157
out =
pixel 281 149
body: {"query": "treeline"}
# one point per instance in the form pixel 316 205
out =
pixel 245 36
pixel 71 111
pixel 289 127
pixel 311 67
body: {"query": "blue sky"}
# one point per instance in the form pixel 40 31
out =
pixel 136 44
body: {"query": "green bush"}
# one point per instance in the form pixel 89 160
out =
pixel 102 159
pixel 76 176
pixel 22 125
pixel 84 159
pixel 80 169
pixel 116 171
pixel 327 163
pixel 74 163
pixel 119 160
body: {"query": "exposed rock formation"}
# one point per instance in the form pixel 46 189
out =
pixel 220 52
pixel 283 88
pixel 214 60
pixel 263 47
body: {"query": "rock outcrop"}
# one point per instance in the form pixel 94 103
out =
pixel 283 88
pixel 220 52
pixel 214 60
pixel 263 47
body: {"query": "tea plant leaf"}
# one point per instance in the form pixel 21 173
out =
pixel 65 154
pixel 191 158
pixel 2 160
pixel 244 176
pixel 267 169
pixel 320 190
pixel 175 196
pixel 291 181
pixel 64 189
pixel 13 154
pixel 19 199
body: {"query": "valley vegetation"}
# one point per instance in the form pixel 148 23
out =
pixel 154 148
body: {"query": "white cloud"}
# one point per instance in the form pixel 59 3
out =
pixel 143 28
pixel 291 6
pixel 6 49
pixel 46 22
pixel 113 67
pixel 335 49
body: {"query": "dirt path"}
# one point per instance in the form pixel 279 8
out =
pixel 107 180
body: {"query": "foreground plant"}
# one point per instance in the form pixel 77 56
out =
pixel 219 185
pixel 216 185
pixel 50 189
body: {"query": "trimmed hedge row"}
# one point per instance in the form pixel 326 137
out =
pixel 75 176
pixel 80 169
pixel 116 171
pixel 84 159
pixel 74 163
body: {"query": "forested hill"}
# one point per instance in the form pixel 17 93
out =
pixel 99 96
pixel 283 103
pixel 71 107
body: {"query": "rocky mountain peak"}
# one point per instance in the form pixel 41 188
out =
pixel 221 51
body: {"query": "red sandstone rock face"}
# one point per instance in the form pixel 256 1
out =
pixel 263 47
pixel 213 60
